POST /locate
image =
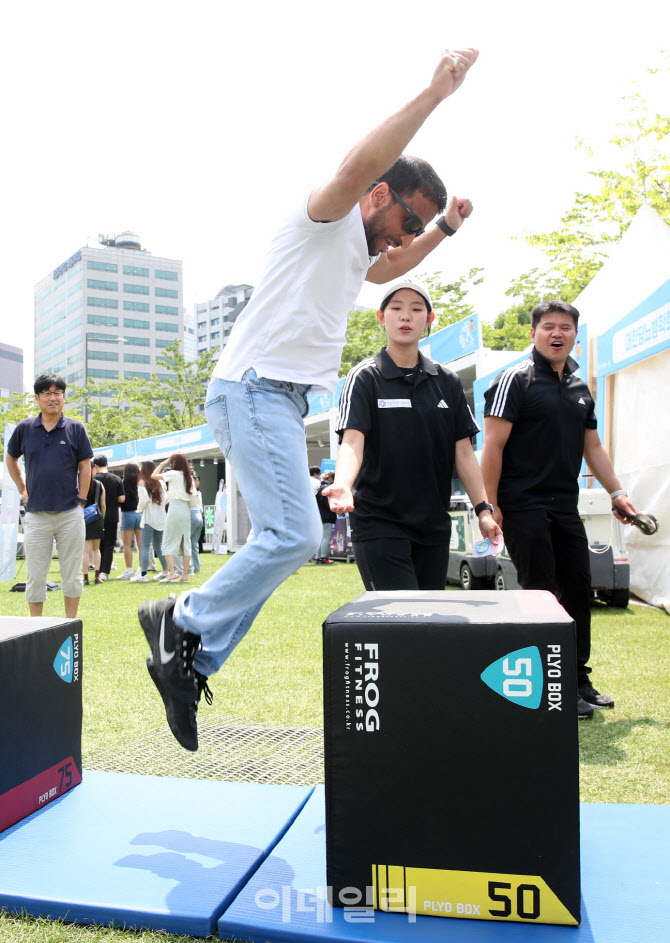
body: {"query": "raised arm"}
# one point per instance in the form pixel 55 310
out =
pixel 347 467
pixel 156 473
pixel 397 262
pixel 380 149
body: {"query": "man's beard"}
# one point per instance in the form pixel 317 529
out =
pixel 374 228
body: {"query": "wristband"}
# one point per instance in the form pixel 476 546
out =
pixel 483 506
pixel 442 224
pixel 616 494
pixel 82 500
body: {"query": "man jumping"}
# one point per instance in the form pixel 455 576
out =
pixel 368 222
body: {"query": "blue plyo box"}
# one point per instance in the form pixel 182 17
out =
pixel 143 851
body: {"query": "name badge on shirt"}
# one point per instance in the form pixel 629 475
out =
pixel 394 403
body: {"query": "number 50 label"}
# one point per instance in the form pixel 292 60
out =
pixel 470 894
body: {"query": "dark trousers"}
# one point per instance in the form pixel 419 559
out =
pixel 107 546
pixel 399 563
pixel 550 551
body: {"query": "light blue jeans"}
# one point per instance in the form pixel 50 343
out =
pixel 196 527
pixel 153 537
pixel 325 541
pixel 258 425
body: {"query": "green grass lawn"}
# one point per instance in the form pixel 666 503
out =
pixel 274 678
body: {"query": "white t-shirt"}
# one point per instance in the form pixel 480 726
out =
pixel 152 513
pixel 176 485
pixel 293 328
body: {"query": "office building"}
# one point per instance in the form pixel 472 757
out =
pixel 11 369
pixel 108 312
pixel 215 318
pixel 188 338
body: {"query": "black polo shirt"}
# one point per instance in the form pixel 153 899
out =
pixel 51 460
pixel 113 491
pixel 411 421
pixel 543 455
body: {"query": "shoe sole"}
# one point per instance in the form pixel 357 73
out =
pixel 168 704
pixel 145 615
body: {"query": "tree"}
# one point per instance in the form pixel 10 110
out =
pixel 509 331
pixel 449 299
pixel 13 409
pixel 597 220
pixel 180 395
pixel 364 338
pixel 116 411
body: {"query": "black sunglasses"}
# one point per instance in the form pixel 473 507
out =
pixel 414 225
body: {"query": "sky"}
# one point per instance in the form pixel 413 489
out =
pixel 199 126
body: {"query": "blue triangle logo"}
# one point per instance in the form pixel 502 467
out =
pixel 63 661
pixel 518 677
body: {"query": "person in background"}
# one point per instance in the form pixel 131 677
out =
pixel 328 518
pixel 196 509
pixel 177 533
pixel 539 423
pixel 197 522
pixel 94 529
pixel 404 425
pixel 152 498
pixel 130 519
pixel 114 497
pixel 315 477
pixel 58 457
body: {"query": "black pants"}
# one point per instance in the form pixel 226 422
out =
pixel 550 551
pixel 107 546
pixel 399 563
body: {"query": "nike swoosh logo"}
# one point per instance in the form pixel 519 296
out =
pixel 165 656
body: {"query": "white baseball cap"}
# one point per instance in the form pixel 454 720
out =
pixel 407 283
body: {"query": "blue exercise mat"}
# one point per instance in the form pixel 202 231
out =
pixel 143 851
pixel 625 891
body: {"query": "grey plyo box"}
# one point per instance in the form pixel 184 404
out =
pixel 40 713
pixel 452 756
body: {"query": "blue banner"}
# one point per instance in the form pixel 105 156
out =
pixel 139 449
pixel 321 402
pixel 454 341
pixel 643 332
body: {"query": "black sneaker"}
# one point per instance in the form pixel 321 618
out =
pixel 584 710
pixel 170 666
pixel 589 694
pixel 181 716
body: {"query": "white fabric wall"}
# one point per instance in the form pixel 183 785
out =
pixel 641 456
pixel 638 265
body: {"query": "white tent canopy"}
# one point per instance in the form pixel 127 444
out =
pixel 639 431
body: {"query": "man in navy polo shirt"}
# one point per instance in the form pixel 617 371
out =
pixel 58 457
pixel 539 423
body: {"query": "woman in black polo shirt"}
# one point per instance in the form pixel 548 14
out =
pixel 404 424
